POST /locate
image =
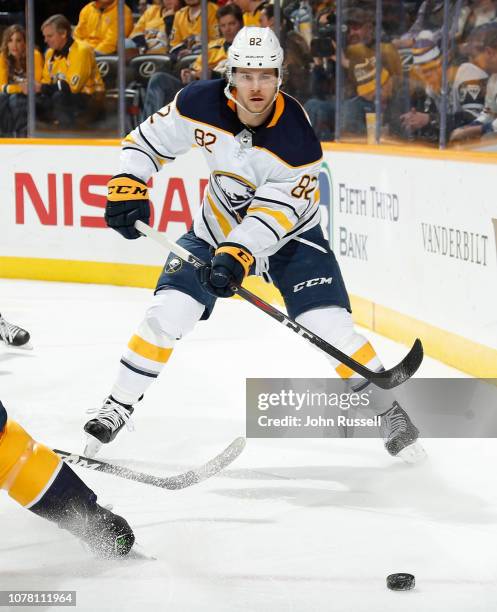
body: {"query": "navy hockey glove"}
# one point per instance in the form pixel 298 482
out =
pixel 127 202
pixel 230 264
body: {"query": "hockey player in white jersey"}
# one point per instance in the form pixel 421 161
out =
pixel 259 215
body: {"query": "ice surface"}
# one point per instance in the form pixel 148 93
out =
pixel 293 525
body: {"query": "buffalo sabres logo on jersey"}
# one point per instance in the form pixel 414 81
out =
pixel 174 265
pixel 233 190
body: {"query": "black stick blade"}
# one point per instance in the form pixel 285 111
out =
pixel 403 370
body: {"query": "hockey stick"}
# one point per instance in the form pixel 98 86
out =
pixel 387 379
pixel 180 481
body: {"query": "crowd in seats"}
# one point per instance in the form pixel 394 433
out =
pixel 76 78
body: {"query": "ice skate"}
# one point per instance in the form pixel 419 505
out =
pixel 13 335
pixel 108 422
pixel 401 435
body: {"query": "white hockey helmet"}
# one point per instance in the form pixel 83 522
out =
pixel 255 47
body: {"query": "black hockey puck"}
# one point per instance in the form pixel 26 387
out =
pixel 400 582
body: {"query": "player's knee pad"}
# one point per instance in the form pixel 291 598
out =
pixel 27 468
pixel 173 313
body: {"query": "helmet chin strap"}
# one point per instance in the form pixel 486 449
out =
pixel 228 94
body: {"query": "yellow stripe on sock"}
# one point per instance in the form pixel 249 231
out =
pixel 149 351
pixel 362 355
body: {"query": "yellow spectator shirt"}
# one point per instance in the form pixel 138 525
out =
pixel 253 18
pixel 76 66
pixel 358 53
pixel 99 27
pixel 216 54
pixel 13 85
pixel 151 20
pixel 184 26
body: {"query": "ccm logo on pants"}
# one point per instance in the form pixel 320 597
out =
pixel 312 283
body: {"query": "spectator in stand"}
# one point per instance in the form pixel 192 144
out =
pixel 251 11
pixel 14 81
pixel 151 32
pixel 98 25
pixel 162 87
pixel 356 109
pixel 230 22
pixel 470 82
pixel 187 27
pixel 360 45
pixel 423 120
pixel 475 85
pixel 71 83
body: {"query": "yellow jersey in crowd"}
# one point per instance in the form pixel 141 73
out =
pixel 12 85
pixel 99 27
pixel 76 65
pixel 253 18
pixel 184 27
pixel 151 20
pixel 216 53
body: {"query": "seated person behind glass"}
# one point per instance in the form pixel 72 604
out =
pixel 423 120
pixel 98 25
pixel 14 83
pixel 187 26
pixel 71 81
pixel 475 85
pixel 361 44
pixel 355 110
pixel 230 22
pixel 151 32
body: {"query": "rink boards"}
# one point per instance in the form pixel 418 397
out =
pixel 415 233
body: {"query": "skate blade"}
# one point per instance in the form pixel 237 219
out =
pixel 414 453
pixel 10 347
pixel 92 447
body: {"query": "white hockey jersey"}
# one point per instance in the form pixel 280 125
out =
pixel 263 184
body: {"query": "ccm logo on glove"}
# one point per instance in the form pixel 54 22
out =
pixel 119 188
pixel 127 202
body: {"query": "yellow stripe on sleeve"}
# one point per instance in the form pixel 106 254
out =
pixel 223 224
pixel 280 217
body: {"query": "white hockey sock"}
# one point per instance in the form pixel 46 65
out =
pixel 335 325
pixel 171 315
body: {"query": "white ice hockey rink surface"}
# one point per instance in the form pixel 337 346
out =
pixel 298 525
